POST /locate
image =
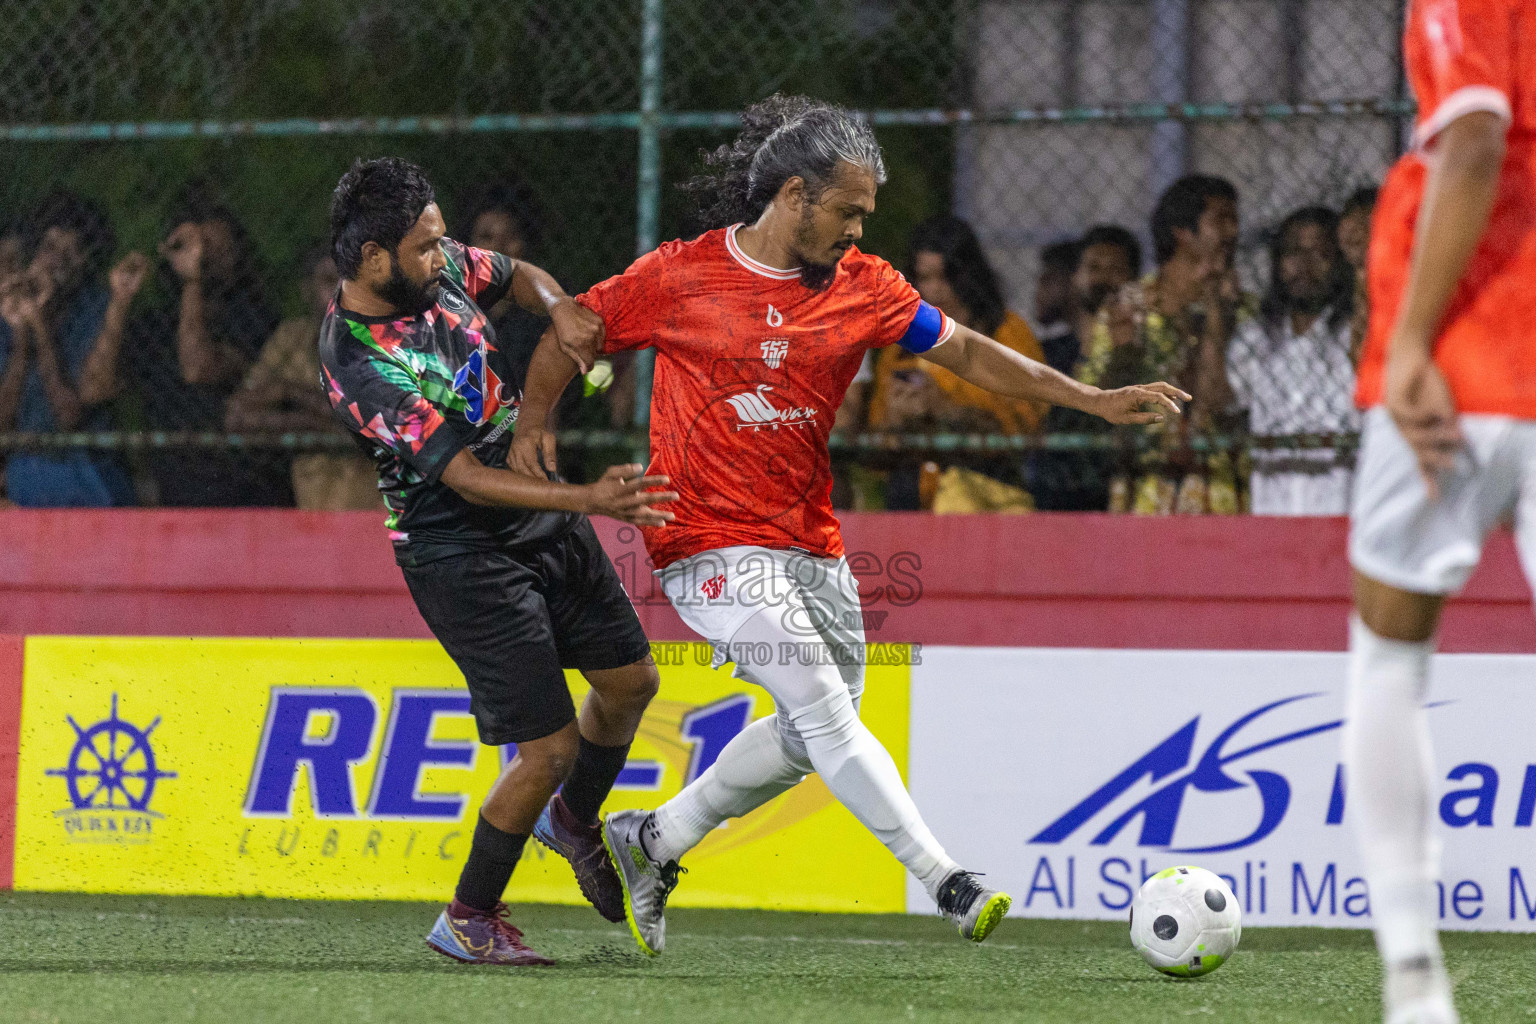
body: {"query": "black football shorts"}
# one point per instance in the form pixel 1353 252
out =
pixel 512 620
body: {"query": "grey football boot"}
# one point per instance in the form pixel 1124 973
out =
pixel 973 907
pixel 647 883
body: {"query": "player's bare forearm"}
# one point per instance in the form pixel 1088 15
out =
pixel 550 370
pixel 981 361
pixel 479 484
pixel 578 329
pixel 1458 200
pixel 535 289
pixel 622 493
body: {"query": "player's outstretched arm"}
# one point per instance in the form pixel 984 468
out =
pixel 999 369
pixel 578 330
pixel 1458 200
pixel 621 493
pixel 533 443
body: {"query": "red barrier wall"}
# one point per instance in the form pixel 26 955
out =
pixel 1043 580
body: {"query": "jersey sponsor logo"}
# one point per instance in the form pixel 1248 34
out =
pixel 774 351
pixel 713 587
pixel 753 409
pixel 479 385
pixel 775 318
pixel 451 300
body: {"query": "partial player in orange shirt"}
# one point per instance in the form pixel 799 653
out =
pixel 759 327
pixel 1448 377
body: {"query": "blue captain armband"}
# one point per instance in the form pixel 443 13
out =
pixel 930 328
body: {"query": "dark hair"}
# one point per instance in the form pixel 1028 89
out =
pixel 512 198
pixel 1059 257
pixel 376 201
pixel 1341 284
pixel 782 137
pixel 1360 199
pixel 965 267
pixel 1180 206
pixel 1113 234
pixel 199 202
pixel 70 212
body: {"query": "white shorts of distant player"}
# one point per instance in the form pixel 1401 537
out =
pixel 1401 538
pixel 812 609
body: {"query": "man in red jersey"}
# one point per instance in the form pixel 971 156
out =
pixel 759 328
pixel 1448 377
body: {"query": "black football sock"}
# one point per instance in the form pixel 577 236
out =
pixel 592 777
pixel 492 856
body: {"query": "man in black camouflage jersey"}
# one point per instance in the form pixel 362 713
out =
pixel 505 569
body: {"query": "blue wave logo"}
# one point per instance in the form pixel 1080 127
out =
pixel 1216 771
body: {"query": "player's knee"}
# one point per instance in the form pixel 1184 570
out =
pixel 551 758
pixel 632 687
pixel 832 720
pixel 646 681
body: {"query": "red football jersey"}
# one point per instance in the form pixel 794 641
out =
pixel 1465 56
pixel 751 367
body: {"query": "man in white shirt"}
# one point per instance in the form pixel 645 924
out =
pixel 1290 369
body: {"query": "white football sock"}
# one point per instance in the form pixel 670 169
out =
pixel 860 773
pixel 755 766
pixel 1389 765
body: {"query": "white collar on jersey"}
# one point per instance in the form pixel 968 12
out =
pixel 751 264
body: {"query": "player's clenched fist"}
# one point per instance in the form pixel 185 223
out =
pixel 1129 405
pixel 623 494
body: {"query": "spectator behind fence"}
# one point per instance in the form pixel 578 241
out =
pixel 283 392
pixel 1355 241
pixel 950 271
pixel 60 330
pixel 1290 368
pixel 1054 322
pixel 503 219
pixel 1108 258
pixel 188 355
pixel 13 249
pixel 1174 325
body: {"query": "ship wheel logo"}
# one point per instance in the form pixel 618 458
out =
pixel 112 765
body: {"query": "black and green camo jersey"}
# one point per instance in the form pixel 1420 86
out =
pixel 415 391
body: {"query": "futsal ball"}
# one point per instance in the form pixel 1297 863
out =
pixel 1185 922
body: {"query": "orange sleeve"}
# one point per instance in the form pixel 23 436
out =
pixel 628 302
pixel 1461 60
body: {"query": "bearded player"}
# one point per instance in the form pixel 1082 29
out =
pixel 759 327
pixel 1449 450
pixel 505 570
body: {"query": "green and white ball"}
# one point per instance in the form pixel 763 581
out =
pixel 1185 921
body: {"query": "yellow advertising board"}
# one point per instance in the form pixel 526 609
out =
pixel 342 769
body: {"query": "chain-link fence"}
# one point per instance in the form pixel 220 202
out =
pixel 559 129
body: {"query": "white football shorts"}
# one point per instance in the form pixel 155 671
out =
pixel 716 592
pixel 1399 537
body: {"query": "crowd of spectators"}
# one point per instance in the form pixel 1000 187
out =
pixel 1271 372
pixel 189 340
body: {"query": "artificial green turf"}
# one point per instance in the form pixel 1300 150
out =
pixel 105 960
